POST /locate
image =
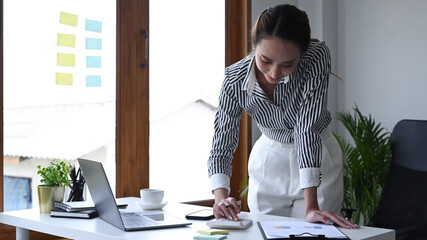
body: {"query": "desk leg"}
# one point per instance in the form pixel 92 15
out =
pixel 22 234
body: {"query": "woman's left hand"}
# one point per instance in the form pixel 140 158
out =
pixel 313 214
pixel 329 218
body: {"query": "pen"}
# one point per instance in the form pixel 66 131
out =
pixel 231 205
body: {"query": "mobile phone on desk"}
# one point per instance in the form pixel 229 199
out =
pixel 205 214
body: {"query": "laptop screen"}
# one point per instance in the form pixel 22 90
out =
pixel 106 205
pixel 100 190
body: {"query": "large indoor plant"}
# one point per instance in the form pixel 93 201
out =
pixel 55 178
pixel 366 161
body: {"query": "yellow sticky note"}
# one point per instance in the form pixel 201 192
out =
pixel 68 19
pixel 213 231
pixel 64 79
pixel 67 40
pixel 66 59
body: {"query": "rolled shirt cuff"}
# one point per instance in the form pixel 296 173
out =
pixel 220 180
pixel 309 177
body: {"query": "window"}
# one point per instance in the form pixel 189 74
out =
pixel 187 59
pixel 59 87
pixel 132 88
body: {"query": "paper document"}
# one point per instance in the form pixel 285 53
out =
pixel 284 230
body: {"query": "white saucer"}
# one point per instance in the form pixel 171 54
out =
pixel 149 206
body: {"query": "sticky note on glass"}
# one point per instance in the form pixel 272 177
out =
pixel 93 61
pixel 93 81
pixel 66 40
pixel 94 43
pixel 93 26
pixel 64 79
pixel 66 59
pixel 68 19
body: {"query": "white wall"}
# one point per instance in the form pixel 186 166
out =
pixel 377 48
pixel 382 58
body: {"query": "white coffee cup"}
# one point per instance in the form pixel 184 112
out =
pixel 151 196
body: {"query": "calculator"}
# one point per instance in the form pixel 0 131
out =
pixel 227 223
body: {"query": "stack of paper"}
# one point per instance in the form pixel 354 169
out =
pixel 299 229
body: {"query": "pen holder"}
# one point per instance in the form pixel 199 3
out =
pixel 77 186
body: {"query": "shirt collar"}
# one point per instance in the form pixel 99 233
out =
pixel 247 81
pixel 250 80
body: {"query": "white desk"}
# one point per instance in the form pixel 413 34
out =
pixel 96 228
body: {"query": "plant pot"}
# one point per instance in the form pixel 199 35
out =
pixel 49 195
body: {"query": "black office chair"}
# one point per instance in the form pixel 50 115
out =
pixel 403 203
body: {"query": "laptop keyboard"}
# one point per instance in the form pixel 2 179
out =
pixel 132 220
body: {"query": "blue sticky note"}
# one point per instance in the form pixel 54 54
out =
pixel 209 237
pixel 94 43
pixel 93 26
pixel 93 61
pixel 93 81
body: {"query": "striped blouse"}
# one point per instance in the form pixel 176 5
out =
pixel 297 115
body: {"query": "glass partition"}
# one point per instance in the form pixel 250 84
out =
pixel 59 89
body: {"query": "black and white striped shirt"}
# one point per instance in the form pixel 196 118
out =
pixel 297 115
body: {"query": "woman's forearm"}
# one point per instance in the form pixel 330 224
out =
pixel 310 196
pixel 220 193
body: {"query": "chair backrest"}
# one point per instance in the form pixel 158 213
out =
pixel 403 200
pixel 409 144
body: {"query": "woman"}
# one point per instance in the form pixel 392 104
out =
pixel 295 168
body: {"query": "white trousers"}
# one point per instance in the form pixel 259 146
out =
pixel 274 178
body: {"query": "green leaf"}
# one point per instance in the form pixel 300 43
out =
pixel 366 162
pixel 56 174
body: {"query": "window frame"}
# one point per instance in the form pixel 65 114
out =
pixel 132 108
pixel 237 46
pixel 1 103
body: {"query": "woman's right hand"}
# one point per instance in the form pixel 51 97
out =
pixel 225 207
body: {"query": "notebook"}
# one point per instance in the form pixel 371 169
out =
pixel 79 206
pixel 105 204
pixel 90 213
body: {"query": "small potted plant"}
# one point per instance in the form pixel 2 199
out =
pixel 55 178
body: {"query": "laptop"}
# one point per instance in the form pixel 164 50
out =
pixel 105 203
